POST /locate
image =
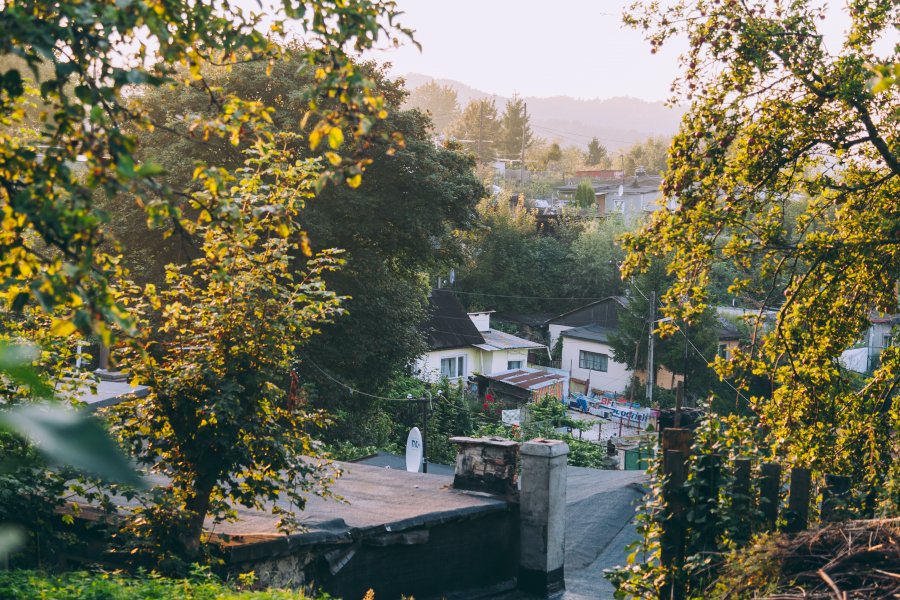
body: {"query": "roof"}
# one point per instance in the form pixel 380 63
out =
pixel 727 330
pixel 448 325
pixel 883 318
pixel 108 393
pixel 526 379
pixel 591 333
pixel 498 340
pixel 386 460
pixel 622 300
pixel 529 319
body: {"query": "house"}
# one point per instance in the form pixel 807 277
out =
pixel 461 344
pixel 588 355
pixel 629 198
pixel 515 387
pixel 865 355
pixel 585 334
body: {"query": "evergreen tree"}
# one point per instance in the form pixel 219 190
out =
pixel 514 124
pixel 585 196
pixel 596 153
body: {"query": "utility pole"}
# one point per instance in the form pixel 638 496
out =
pixel 480 128
pixel 651 372
pixel 524 126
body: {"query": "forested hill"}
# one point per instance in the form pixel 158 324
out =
pixel 617 122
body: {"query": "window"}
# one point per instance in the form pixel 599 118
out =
pixel 886 341
pixel 453 367
pixel 723 350
pixel 513 364
pixel 593 361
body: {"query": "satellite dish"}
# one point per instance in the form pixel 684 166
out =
pixel 621 190
pixel 414 450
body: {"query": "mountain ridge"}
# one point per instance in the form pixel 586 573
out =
pixel 617 122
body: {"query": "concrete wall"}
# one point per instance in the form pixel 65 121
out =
pixel 555 330
pixel 498 359
pixel 615 379
pixel 426 561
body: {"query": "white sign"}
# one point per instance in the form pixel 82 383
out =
pixel 414 450
pixel 511 417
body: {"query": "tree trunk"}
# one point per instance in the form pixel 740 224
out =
pixel 197 506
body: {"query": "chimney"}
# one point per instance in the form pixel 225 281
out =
pixel 482 320
pixel 486 465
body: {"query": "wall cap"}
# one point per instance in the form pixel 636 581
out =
pixel 545 448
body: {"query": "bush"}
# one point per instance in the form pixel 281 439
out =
pixel 34 585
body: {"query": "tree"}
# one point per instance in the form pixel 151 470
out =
pixel 596 152
pixel 398 223
pixel 86 59
pixel 508 265
pixel 594 259
pixel 649 154
pixel 775 116
pixel 479 126
pixel 683 348
pixel 220 422
pixel 437 101
pixel 514 124
pixel 554 154
pixel 585 197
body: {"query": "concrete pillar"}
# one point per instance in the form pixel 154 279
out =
pixel 542 516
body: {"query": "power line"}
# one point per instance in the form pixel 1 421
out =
pixel 524 297
pixel 352 389
pixel 688 340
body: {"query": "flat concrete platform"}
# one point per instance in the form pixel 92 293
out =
pixel 374 497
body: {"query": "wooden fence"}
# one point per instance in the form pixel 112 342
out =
pixel 749 492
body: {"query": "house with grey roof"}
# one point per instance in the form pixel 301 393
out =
pixel 585 334
pixel 461 344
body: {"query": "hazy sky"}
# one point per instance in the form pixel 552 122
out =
pixel 575 48
pixel 534 47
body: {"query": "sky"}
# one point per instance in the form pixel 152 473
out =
pixel 575 48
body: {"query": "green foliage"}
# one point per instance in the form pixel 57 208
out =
pixel 450 415
pixel 52 248
pixel 542 419
pixel 219 422
pixel 404 213
pixel 81 585
pixel 584 195
pixel 596 153
pixel 514 125
pixel 649 154
pixel 437 101
pixel 554 154
pixel 507 256
pixel 479 124
pixel 715 525
pixel 746 152
pixel 672 348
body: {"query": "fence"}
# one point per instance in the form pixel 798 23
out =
pixel 690 524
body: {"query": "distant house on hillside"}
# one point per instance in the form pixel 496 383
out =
pixel 640 195
pixel 461 344
pixel 864 357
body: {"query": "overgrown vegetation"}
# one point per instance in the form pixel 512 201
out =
pixel 82 585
